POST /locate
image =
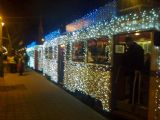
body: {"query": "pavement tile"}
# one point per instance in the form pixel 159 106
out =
pixel 33 97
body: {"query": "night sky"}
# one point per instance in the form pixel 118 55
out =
pixel 23 16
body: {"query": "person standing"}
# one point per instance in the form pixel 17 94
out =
pixel 21 64
pixel 12 63
pixel 1 65
pixel 133 63
pixel 26 59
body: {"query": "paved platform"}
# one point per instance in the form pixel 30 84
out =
pixel 33 97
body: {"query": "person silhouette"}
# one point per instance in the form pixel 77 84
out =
pixel 133 63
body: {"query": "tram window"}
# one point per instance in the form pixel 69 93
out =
pixel 50 54
pixel 78 52
pixel 68 52
pixel 31 53
pixel 39 53
pixel 46 53
pixel 143 39
pixel 156 38
pixel 55 52
pixel 98 51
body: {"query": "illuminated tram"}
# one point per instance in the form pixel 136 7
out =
pixel 89 61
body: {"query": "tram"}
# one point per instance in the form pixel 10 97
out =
pixel 30 52
pixel 89 60
pixel 38 53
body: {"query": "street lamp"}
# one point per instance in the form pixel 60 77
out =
pixel 2 24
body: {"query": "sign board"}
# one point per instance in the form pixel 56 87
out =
pixel 119 48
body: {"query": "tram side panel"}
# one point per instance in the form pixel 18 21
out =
pixel 87 70
pixel 31 54
pixel 40 58
pixel 50 60
pixel 46 60
pixel 154 92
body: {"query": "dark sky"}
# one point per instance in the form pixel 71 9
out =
pixel 24 14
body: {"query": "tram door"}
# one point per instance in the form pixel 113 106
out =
pixel 131 100
pixel 36 60
pixel 60 64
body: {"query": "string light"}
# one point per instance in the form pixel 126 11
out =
pixel 52 35
pixel 30 52
pixel 89 83
pixel 39 49
pixel 96 80
pixel 103 13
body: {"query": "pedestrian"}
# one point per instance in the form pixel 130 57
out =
pixel 21 64
pixel 12 63
pixel 26 59
pixel 1 65
pixel 133 63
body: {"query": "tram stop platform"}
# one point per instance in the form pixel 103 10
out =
pixel 33 97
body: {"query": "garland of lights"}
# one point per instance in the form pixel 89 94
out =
pixel 103 13
pixel 96 80
pixel 50 66
pixel 30 52
pixel 157 92
pixel 40 58
pixel 52 35
pixel 137 21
